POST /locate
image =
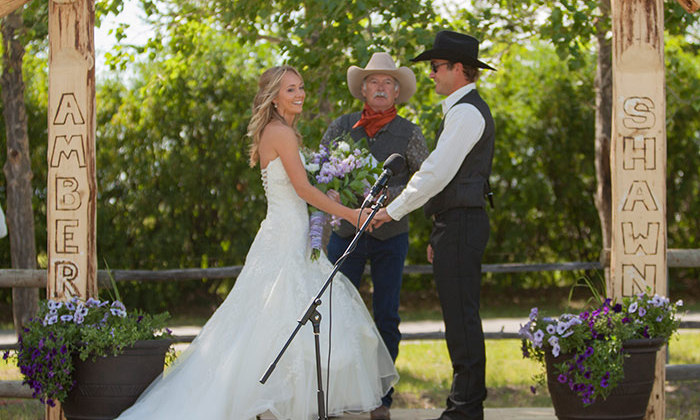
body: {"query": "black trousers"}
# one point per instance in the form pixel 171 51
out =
pixel 458 239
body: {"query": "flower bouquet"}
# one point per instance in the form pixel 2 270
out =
pixel 595 339
pixel 85 329
pixel 346 167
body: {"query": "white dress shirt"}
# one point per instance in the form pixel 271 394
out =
pixel 463 127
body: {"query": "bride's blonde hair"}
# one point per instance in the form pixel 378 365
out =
pixel 264 111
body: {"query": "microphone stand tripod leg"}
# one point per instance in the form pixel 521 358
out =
pixel 316 323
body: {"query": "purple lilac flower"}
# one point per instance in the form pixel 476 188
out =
pixel 633 307
pixel 316 222
pixel 642 311
pixel 562 378
pixel 551 329
pixel 66 318
pixel 617 308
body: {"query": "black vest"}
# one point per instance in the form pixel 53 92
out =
pixel 470 185
pixel 392 138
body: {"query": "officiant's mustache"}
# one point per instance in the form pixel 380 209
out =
pixel 381 95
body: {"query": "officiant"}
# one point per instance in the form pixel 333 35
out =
pixel 380 86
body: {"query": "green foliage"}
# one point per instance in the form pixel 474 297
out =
pixel 172 161
pixel 86 329
pixel 543 171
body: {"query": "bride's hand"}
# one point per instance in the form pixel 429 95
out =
pixel 360 216
pixel 333 195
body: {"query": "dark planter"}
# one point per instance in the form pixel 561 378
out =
pixel 109 385
pixel 627 401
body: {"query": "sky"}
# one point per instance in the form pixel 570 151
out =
pixel 137 33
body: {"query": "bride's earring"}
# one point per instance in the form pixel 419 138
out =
pixel 275 105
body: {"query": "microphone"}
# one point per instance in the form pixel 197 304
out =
pixel 392 165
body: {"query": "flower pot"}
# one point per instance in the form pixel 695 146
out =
pixel 628 400
pixel 109 385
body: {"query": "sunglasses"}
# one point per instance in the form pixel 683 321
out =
pixel 436 66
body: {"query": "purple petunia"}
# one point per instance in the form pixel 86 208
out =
pixel 533 314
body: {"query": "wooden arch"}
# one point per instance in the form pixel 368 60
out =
pixel 638 153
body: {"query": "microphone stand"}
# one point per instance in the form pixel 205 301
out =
pixel 312 313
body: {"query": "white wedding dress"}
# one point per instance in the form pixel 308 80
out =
pixel 218 376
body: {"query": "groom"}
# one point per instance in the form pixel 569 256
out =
pixel 452 185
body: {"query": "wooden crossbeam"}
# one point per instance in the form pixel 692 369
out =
pixel 690 5
pixel 9 6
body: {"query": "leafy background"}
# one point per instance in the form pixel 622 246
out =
pixel 175 188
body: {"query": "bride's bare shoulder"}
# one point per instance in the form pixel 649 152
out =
pixel 276 139
pixel 275 130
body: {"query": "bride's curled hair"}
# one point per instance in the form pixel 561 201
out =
pixel 264 111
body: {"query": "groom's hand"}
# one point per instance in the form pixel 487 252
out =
pixel 380 218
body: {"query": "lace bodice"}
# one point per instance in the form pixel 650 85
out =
pixel 287 213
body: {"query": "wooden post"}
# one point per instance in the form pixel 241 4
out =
pixel 71 198
pixel 72 187
pixel 638 160
pixel 9 6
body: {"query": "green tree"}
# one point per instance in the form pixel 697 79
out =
pixel 175 186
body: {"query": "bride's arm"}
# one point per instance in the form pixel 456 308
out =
pixel 285 144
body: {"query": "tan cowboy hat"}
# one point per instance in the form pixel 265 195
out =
pixel 382 63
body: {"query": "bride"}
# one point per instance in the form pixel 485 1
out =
pixel 218 376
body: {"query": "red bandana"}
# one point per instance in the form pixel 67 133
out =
pixel 373 121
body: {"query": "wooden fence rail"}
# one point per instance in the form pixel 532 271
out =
pixel 677 258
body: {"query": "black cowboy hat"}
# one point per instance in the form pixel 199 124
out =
pixel 455 47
